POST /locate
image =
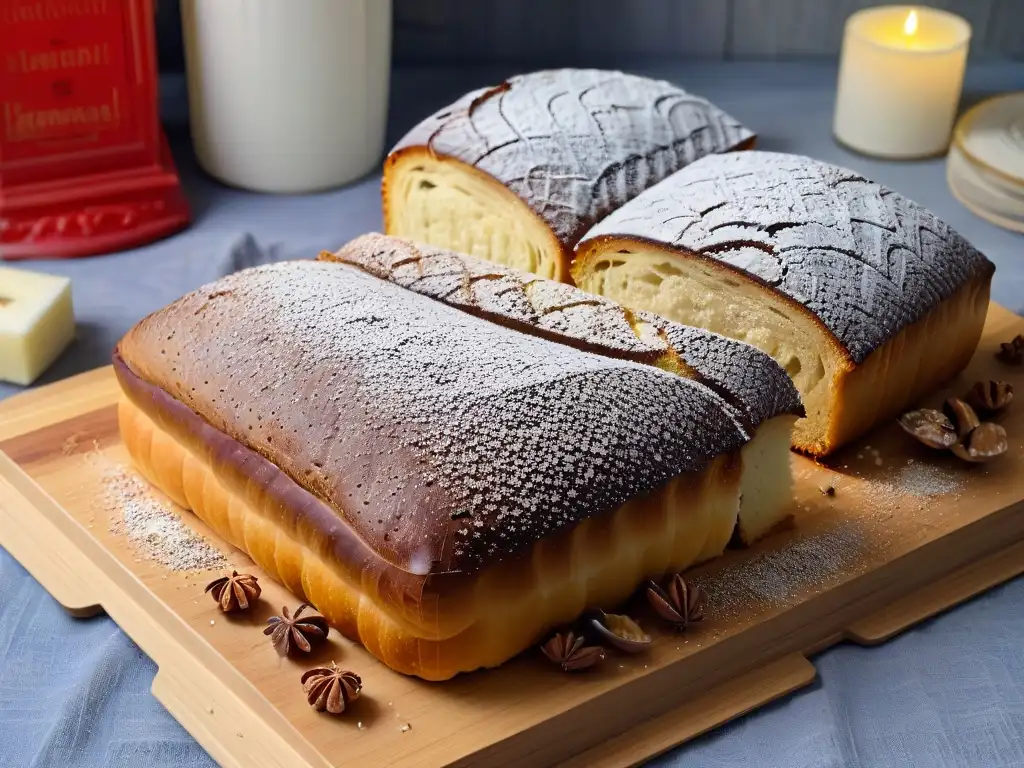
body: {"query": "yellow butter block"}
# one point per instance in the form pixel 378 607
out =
pixel 37 322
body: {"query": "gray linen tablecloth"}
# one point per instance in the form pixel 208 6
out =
pixel 948 693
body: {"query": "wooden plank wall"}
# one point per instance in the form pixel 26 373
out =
pixel 539 33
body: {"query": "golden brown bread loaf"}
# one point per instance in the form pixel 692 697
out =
pixel 516 173
pixel 867 299
pixel 442 488
pixel 746 379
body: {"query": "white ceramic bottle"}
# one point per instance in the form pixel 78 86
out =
pixel 288 96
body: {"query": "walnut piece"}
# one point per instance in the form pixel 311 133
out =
pixel 962 415
pixel 931 427
pixel 984 443
pixel 619 631
pixel 958 429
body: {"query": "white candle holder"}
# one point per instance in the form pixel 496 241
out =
pixel 901 73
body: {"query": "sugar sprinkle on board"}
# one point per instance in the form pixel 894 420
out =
pixel 153 525
pixel 777 577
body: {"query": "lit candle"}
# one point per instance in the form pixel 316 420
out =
pixel 36 323
pixel 901 72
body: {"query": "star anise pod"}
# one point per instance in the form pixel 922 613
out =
pixel 330 689
pixel 234 592
pixel 679 603
pixel 1012 352
pixel 990 397
pixel 570 652
pixel 289 631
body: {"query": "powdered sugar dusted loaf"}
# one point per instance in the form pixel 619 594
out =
pixel 866 299
pixel 572 144
pixel 745 377
pixel 444 440
pixel 866 261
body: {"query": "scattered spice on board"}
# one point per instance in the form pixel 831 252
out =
pixel 776 577
pixel 154 526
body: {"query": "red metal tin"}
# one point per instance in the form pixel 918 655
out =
pixel 84 166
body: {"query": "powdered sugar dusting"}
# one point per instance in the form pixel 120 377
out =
pixel 777 577
pixel 431 431
pixel 866 261
pixel 921 479
pixel 575 144
pixel 745 377
pixel 153 526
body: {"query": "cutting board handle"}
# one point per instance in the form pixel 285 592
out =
pixel 726 702
pixel 43 550
pixel 938 596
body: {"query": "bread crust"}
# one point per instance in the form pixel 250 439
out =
pixel 444 489
pixel 572 145
pixel 740 218
pixel 743 376
pixel 856 258
pixel 433 627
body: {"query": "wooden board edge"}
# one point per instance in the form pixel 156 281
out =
pixel 938 597
pixel 218 719
pixel 722 704
pixel 212 712
pixel 44 406
pixel 784 676
pixel 64 572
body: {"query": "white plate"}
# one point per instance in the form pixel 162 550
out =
pixel 990 135
pixel 984 193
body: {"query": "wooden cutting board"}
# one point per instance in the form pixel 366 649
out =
pixel 907 534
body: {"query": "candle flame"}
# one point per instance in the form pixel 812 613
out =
pixel 910 25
